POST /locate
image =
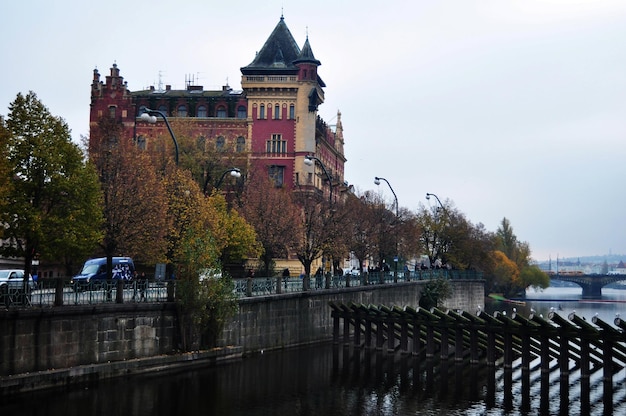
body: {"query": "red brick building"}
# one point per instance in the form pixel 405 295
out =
pixel 272 122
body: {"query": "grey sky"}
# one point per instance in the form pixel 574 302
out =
pixel 510 109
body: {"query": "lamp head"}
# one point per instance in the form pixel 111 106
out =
pixel 376 180
pixel 427 196
pixel 308 160
pixel 148 118
pixel 235 173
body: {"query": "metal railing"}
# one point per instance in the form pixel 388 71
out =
pixel 263 286
pixel 60 292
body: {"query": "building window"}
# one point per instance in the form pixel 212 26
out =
pixel 221 112
pixel 201 143
pixel 141 142
pixel 241 112
pixel 262 111
pixel 277 175
pixel 292 112
pixel 241 144
pixel 112 111
pixel 220 142
pixel 277 145
pixel 182 111
pixel 142 110
pixel 276 112
pixel 163 109
pixel 202 111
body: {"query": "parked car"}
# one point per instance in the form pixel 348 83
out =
pixel 13 280
pixel 94 272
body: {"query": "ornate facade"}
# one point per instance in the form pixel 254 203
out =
pixel 272 123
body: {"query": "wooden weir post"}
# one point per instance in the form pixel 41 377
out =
pixel 476 325
pixel 356 311
pixel 610 336
pixel 492 327
pixel 417 323
pixel 587 333
pixel 336 315
pixel 461 325
pixel 347 317
pixel 390 326
pixel 565 331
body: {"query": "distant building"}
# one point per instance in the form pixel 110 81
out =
pixel 271 125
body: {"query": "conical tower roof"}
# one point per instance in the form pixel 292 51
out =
pixel 306 55
pixel 279 52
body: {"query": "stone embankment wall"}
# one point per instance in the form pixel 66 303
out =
pixel 42 339
pixel 304 318
pixel 71 336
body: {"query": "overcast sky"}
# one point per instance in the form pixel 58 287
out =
pixel 505 108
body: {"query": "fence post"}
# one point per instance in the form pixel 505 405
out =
pixel 58 292
pixel 119 291
pixel 249 286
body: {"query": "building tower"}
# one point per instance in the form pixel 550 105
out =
pixel 284 90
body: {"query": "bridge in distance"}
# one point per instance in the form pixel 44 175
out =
pixel 592 284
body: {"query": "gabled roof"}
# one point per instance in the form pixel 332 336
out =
pixel 280 52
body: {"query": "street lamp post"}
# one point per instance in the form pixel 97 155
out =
pixel 234 172
pixel 149 116
pixel 377 180
pixel 428 195
pixel 310 161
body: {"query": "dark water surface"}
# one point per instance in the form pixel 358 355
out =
pixel 335 381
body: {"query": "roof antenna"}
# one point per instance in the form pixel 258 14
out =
pixel 282 14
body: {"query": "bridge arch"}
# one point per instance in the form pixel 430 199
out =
pixel 591 284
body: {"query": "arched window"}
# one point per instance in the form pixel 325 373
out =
pixel 292 112
pixel 112 111
pixel 220 142
pixel 182 111
pixel 262 111
pixel 241 144
pixel 221 112
pixel 163 109
pixel 241 112
pixel 276 112
pixel 202 111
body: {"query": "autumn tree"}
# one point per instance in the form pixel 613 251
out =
pixel 505 275
pixel 205 224
pixel 52 206
pixel 360 227
pixel 275 217
pixel 135 202
pixel 316 217
pixel 519 253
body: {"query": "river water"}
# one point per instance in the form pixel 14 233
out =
pixel 335 381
